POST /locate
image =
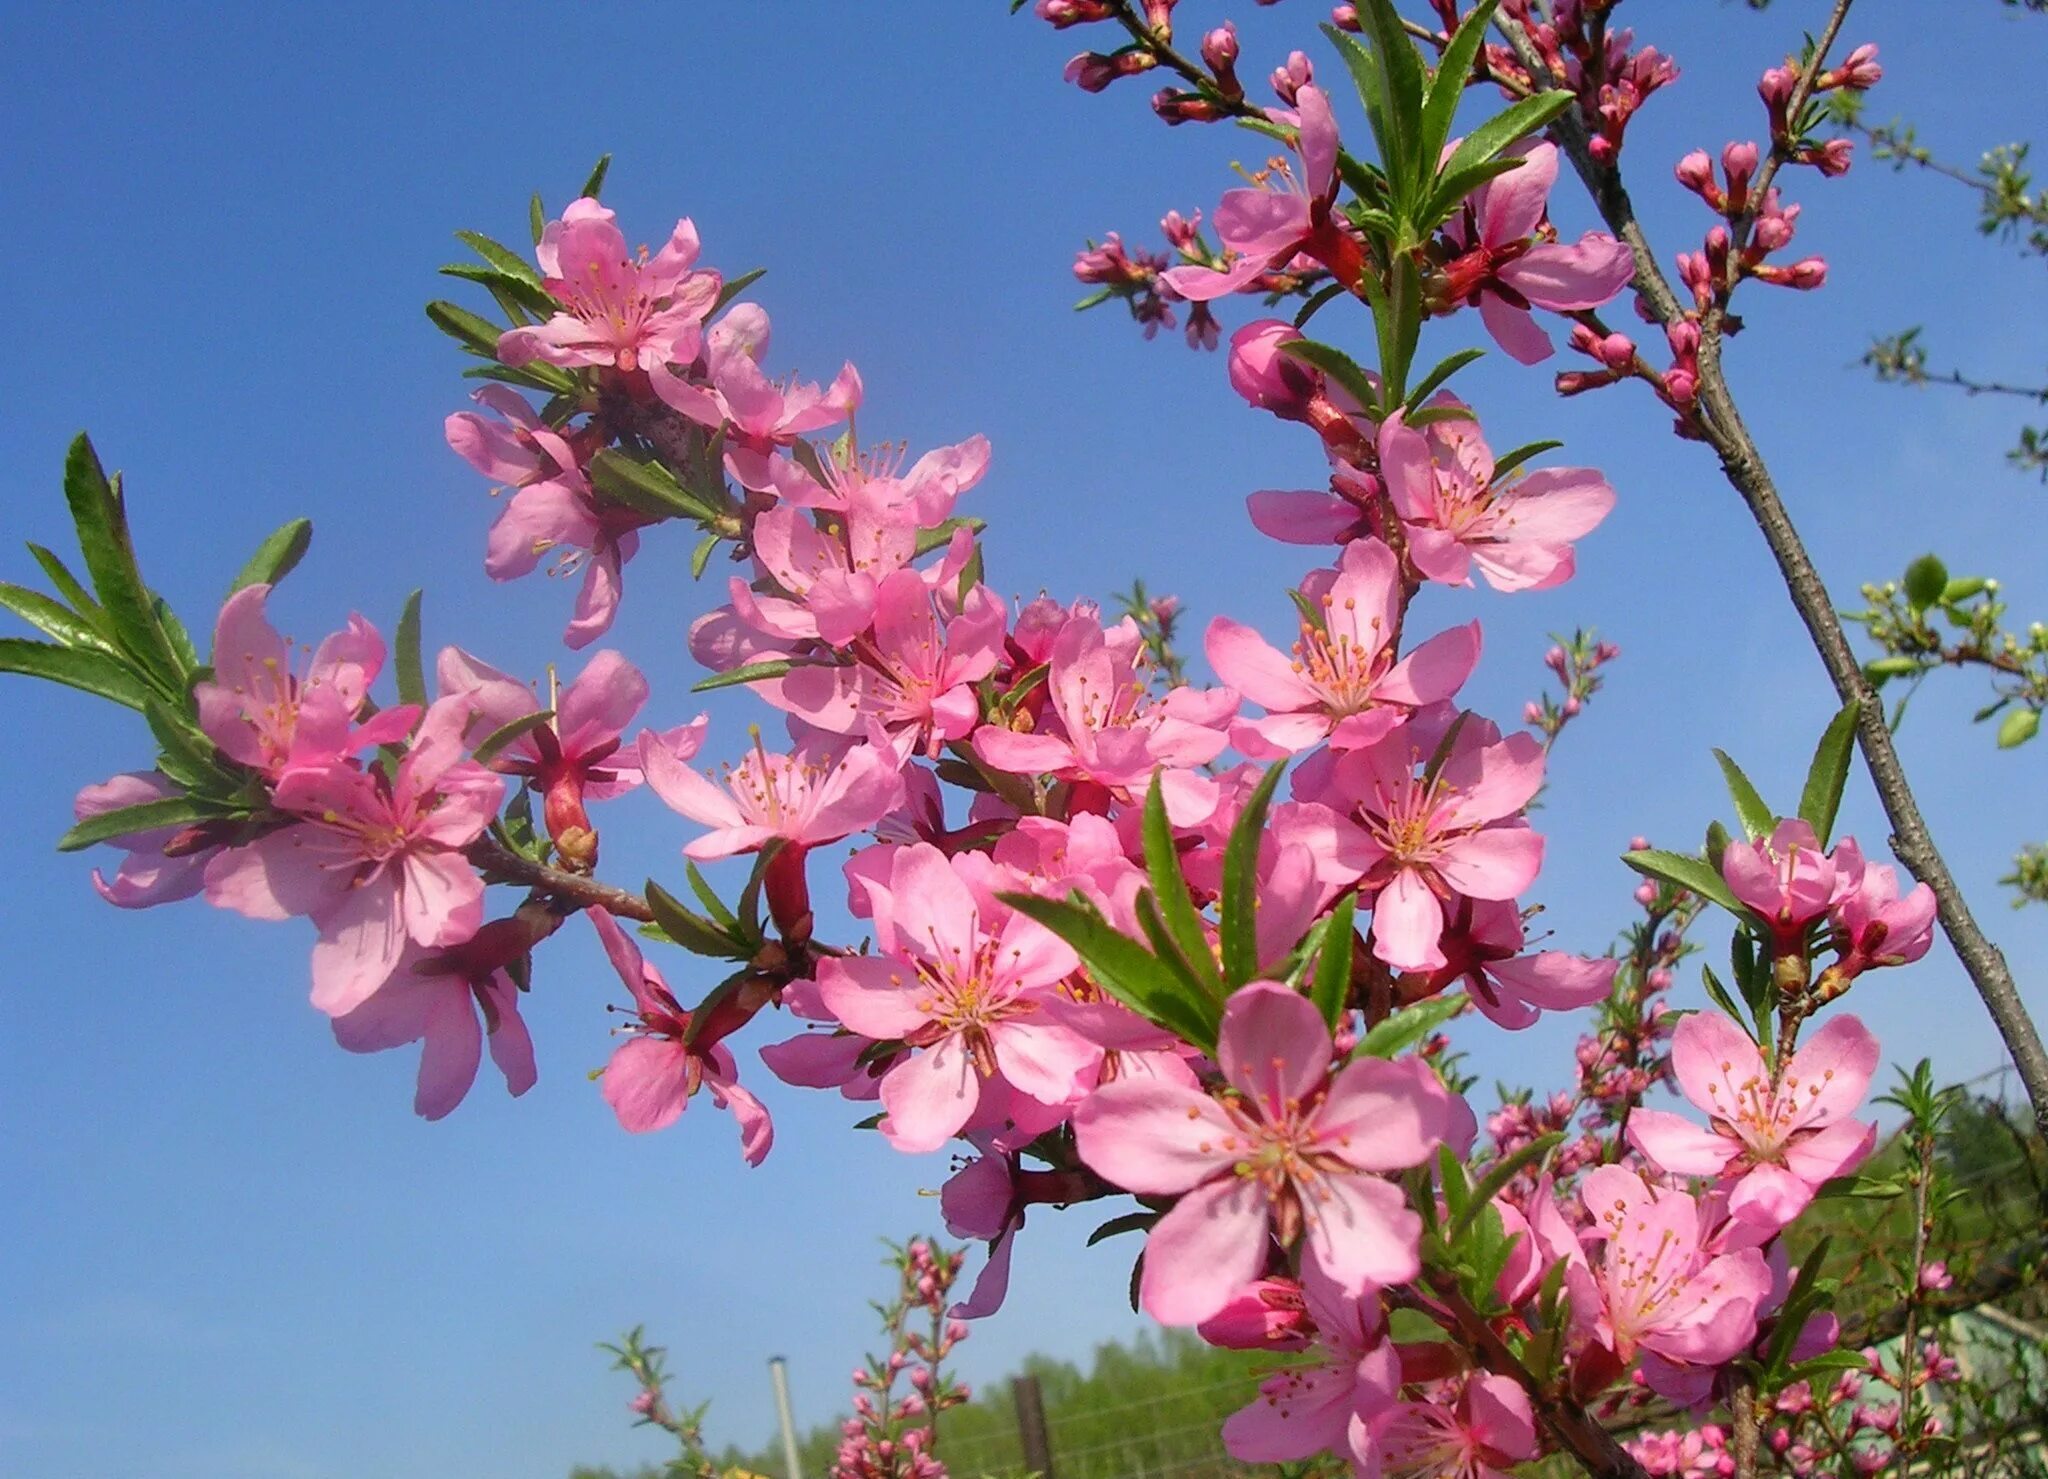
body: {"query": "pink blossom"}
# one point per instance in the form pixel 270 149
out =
pixel 1879 927
pixel 375 861
pixel 1269 1314
pixel 1509 265
pixel 1650 1286
pixel 980 1201
pixel 1263 228
pixel 1777 1141
pixel 618 310
pixel 923 496
pixel 1110 730
pixel 817 793
pixel 1483 947
pixel 1336 1401
pixel 150 874
pixel 436 997
pixel 262 714
pixel 833 573
pixel 1485 1433
pixel 1785 878
pixel 1286 1146
pixel 1420 841
pixel 1268 378
pixel 1455 514
pixel 968 989
pixel 758 412
pixel 653 1073
pixel 1342 682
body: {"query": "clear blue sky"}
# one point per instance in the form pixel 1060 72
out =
pixel 227 1248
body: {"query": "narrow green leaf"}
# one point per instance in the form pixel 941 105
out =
pixel 1501 1172
pixel 1128 1222
pixel 1409 1026
pixel 940 535
pixel 70 589
pixel 1452 188
pixel 501 257
pixel 103 540
pixel 753 672
pixel 708 897
pixel 1094 300
pixel 494 743
pixel 1338 365
pixel 1170 893
pixel 80 667
pixel 1430 383
pixel 472 331
pixel 1124 968
pixel 184 753
pixel 1365 76
pixel 172 811
pixel 1793 1312
pixel 645 487
pixel 506 288
pixel 1401 77
pixel 1750 809
pixel 406 665
pixel 734 286
pixel 535 376
pixel 596 181
pixel 1332 990
pixel 1315 302
pixel 701 555
pixel 276 557
pixel 536 218
pixel 692 931
pixel 52 618
pixel 1829 773
pixel 1453 69
pixel 1722 998
pixel 1688 873
pixel 1486 142
pixel 1507 462
pixel 1239 927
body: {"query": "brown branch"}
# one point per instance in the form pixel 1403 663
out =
pixel 583 891
pixel 1721 426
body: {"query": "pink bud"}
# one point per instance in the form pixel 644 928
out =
pixel 1696 172
pixel 1935 1276
pixel 1646 893
pixel 1738 162
pixel 1775 86
pixel 1532 712
pixel 1219 49
pixel 1637 844
pixel 1834 157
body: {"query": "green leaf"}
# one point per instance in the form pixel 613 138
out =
pixel 80 667
pixel 1095 299
pixel 1822 796
pixel 1796 1307
pixel 701 555
pixel 69 588
pixel 1501 1172
pixel 185 754
pixel 645 487
pixel 1315 302
pixel 708 897
pixel 1397 321
pixel 1128 1222
pixel 1688 873
pixel 1962 588
pixel 472 331
pixel 52 618
pixel 495 742
pixel 753 672
pixel 1926 579
pixel 1338 365
pixel 1366 77
pixel 276 557
pixel 1720 996
pixel 1404 1029
pixel 734 286
pixel 691 931
pixel 942 534
pixel 2018 727
pixel 103 539
pixel 503 258
pixel 1124 968
pixel 1756 818
pixel 406 666
pixel 1332 989
pixel 506 288
pixel 1401 78
pixel 1483 147
pixel 1447 87
pixel 1239 927
pixel 596 181
pixel 172 811
pixel 1507 462
pixel 1170 893
pixel 536 218
pixel 1450 366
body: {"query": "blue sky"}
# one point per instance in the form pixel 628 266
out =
pixel 229 1248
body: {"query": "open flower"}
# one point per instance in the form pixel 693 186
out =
pixel 1483 947
pixel 1455 514
pixel 149 875
pixel 655 1071
pixel 757 412
pixel 1878 925
pixel 1776 1140
pixel 817 793
pixel 1483 1435
pixel 1341 682
pixel 1286 1147
pixel 618 310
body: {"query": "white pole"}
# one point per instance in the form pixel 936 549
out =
pixel 778 1372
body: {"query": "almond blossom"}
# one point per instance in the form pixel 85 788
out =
pixel 435 997
pixel 925 492
pixel 1788 879
pixel 374 860
pixel 969 990
pixel 1455 514
pixel 1285 1147
pixel 1775 1138
pixel 1649 1284
pixel 1483 1434
pixel 618 310
pixel 819 792
pixel 1482 948
pixel 756 411
pixel 1507 263
pixel 655 1071
pixel 152 873
pixel 1879 926
pixel 1334 1402
pixel 1341 682
pixel 269 718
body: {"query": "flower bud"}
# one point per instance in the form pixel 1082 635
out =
pixel 1696 172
